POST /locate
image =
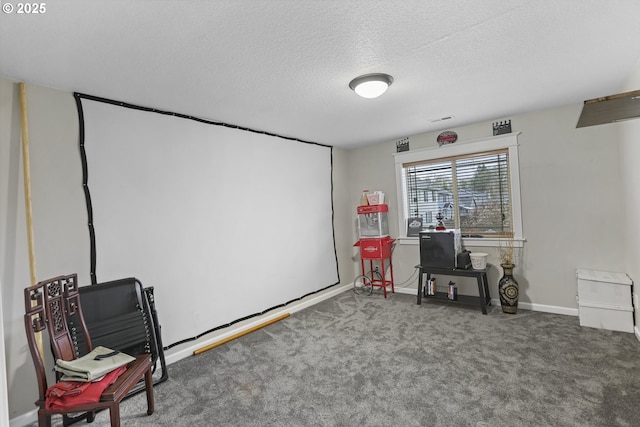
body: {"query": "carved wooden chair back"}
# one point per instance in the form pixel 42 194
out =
pixel 49 305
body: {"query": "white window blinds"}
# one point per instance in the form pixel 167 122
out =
pixel 471 192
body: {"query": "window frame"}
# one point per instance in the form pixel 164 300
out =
pixel 505 141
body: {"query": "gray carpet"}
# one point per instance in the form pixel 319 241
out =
pixel 369 361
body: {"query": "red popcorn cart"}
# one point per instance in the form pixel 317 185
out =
pixel 375 250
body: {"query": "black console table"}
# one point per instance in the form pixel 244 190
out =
pixel 484 299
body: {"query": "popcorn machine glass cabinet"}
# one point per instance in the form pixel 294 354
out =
pixel 372 221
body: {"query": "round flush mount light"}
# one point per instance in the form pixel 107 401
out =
pixel 371 85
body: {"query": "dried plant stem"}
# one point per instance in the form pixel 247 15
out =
pixel 506 251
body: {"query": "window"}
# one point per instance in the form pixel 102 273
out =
pixel 472 186
pixel 473 192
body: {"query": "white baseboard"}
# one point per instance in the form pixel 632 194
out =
pixel 26 419
pixel 185 352
pixel 555 309
pixel 407 291
pixel 524 305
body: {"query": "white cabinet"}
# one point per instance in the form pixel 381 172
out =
pixel 604 300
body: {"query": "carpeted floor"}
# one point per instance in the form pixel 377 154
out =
pixel 369 361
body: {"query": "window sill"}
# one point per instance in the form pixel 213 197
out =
pixel 482 242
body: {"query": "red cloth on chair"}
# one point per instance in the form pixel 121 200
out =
pixel 67 394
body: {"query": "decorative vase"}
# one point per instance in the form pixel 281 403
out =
pixel 508 290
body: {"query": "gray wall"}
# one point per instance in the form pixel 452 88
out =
pixel 60 227
pixel 630 162
pixel 572 203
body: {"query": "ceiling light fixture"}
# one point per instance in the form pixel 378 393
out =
pixel 371 85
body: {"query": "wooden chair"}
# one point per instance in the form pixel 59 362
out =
pixel 50 304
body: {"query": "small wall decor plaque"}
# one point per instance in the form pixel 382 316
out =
pixel 414 226
pixel 502 127
pixel 447 137
pixel 402 145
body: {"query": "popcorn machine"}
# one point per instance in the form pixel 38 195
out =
pixel 375 249
pixel 372 221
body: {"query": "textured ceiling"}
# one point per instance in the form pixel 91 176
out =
pixel 283 66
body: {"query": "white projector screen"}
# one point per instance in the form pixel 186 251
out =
pixel 223 222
